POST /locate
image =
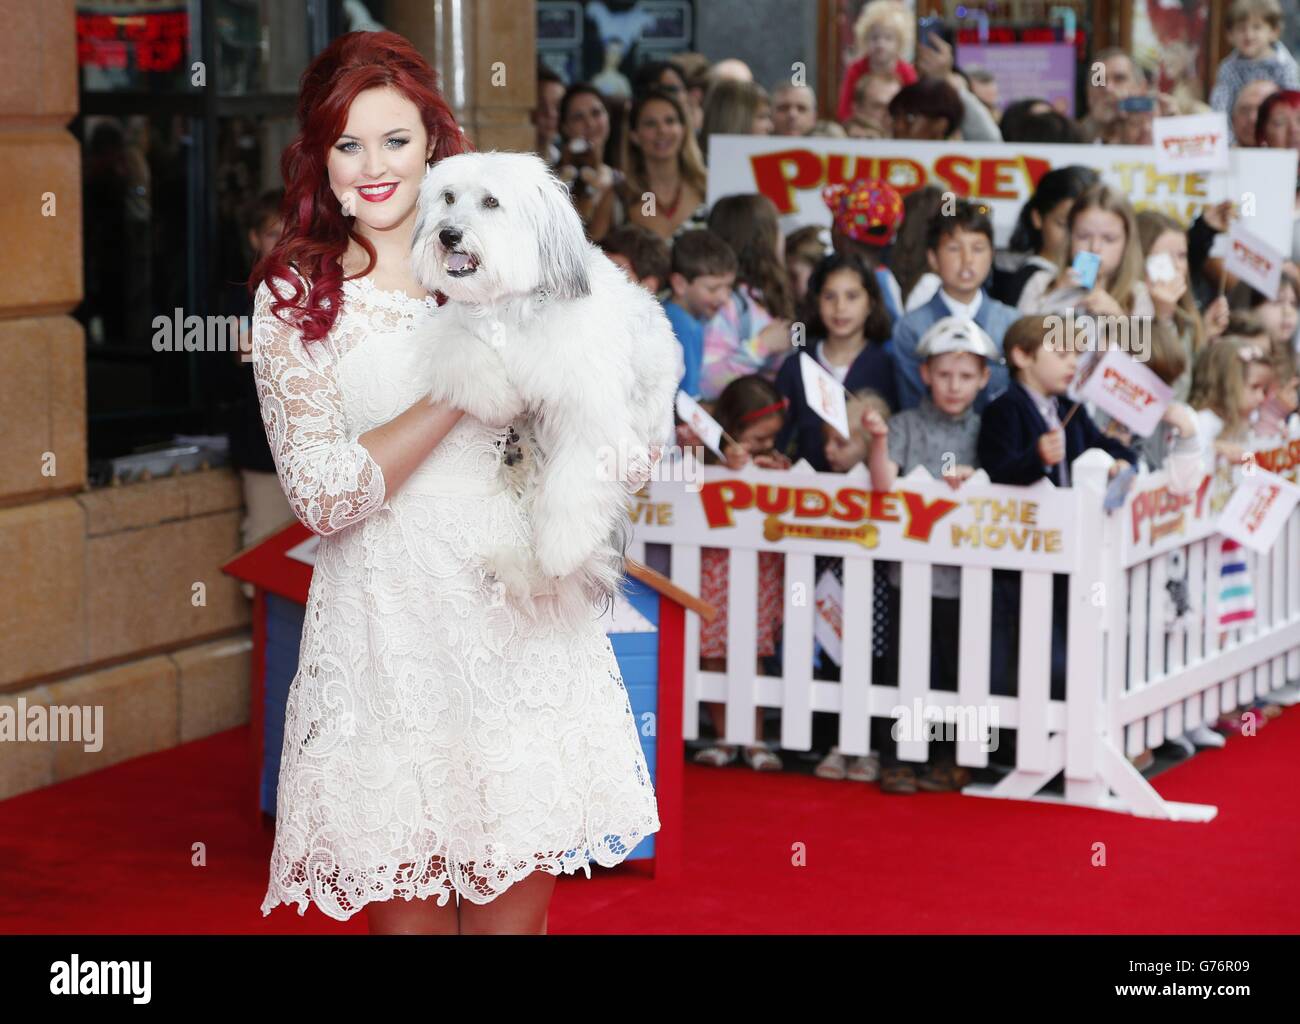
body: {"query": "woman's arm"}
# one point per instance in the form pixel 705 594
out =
pixel 331 481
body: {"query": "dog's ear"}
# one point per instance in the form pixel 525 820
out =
pixel 561 243
pixel 421 257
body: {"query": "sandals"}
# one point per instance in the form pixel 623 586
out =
pixel 832 766
pixel 898 779
pixel 864 768
pixel 716 756
pixel 944 777
pixel 762 760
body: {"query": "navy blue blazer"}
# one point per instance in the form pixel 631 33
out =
pixel 873 368
pixel 1010 427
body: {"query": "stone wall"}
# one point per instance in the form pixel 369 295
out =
pixel 98 601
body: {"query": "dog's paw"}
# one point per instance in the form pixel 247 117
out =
pixel 559 553
pixel 496 405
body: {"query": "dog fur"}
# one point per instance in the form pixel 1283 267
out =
pixel 543 329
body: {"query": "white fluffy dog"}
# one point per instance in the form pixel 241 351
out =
pixel 540 322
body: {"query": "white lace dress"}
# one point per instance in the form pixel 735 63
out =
pixel 434 741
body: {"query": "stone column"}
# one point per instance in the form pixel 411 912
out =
pixel 485 53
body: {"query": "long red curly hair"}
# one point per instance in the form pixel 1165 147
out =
pixel 315 232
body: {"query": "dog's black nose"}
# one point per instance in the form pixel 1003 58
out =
pixel 449 237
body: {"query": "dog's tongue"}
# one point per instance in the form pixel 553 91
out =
pixel 457 261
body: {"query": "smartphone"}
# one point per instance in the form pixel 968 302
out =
pixel 1137 105
pixel 1086 265
pixel 926 27
pixel 1160 267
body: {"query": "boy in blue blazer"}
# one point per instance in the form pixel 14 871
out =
pixel 1022 440
pixel 960 251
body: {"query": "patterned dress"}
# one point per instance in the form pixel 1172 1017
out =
pixel 435 742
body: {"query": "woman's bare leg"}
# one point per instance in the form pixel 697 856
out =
pixel 412 917
pixel 520 910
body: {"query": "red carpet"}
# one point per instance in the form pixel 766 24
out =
pixel 111 853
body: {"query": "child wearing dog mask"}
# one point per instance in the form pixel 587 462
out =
pixel 751 411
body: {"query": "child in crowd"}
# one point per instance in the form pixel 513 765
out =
pixel 1021 441
pixel 804 249
pixel 940 434
pixel 1102 222
pixel 751 332
pixel 865 218
pixel 702 275
pixel 909 261
pixel 1164 247
pixel 642 254
pixel 1278 315
pixel 1229 383
pixel 960 251
pixel 1268 420
pixel 848 327
pixel 752 412
pixel 842 455
pixel 883 34
pixel 1254 29
pixel 1041 233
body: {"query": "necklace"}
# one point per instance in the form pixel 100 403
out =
pixel 671 208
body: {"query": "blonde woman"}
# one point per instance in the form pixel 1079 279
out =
pixel 1101 222
pixel 735 108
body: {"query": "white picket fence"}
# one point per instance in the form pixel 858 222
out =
pixel 1130 680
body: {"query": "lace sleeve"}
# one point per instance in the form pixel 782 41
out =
pixel 330 479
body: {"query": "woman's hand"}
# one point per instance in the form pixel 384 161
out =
pixel 1181 418
pixel 874 424
pixel 1218 216
pixel 958 476
pixel 1100 302
pixel 933 57
pixel 1067 278
pixel 775 337
pixel 1051 447
pixel 737 457
pixel 1165 295
pixel 772 460
pixel 1216 318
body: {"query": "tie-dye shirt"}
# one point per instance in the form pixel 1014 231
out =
pixel 731 345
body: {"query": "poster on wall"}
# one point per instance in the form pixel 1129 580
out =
pixel 1026 70
pixel 1003 175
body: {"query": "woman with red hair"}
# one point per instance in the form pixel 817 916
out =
pixel 436 742
pixel 1278 127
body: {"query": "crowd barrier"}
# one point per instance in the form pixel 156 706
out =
pixel 1140 664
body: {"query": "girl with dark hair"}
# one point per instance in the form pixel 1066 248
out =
pixel 752 412
pixel 1040 233
pixel 437 741
pixel 848 326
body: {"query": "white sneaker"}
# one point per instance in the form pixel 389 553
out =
pixel 1204 736
pixel 1183 744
